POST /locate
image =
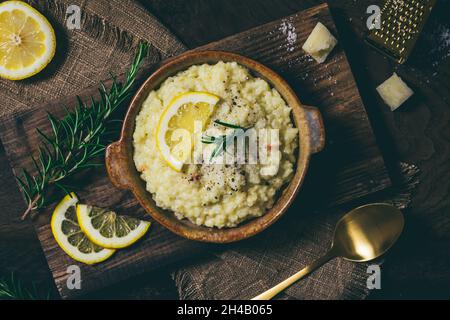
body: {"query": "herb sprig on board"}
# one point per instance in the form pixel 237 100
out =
pixel 77 140
pixel 223 141
pixel 14 289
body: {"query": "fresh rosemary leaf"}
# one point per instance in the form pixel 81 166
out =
pixel 208 139
pixel 222 142
pixel 14 289
pixel 229 125
pixel 76 140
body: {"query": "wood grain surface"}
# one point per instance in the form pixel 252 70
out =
pixel 350 167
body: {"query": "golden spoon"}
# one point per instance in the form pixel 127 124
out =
pixel 363 234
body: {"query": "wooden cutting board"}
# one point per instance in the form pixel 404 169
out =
pixel 351 166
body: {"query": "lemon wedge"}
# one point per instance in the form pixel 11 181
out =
pixel 69 236
pixel 183 111
pixel 27 41
pixel 108 229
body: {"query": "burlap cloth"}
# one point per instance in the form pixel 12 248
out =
pixel 104 44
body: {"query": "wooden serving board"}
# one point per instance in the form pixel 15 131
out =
pixel 351 165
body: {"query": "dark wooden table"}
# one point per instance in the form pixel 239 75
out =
pixel 418 133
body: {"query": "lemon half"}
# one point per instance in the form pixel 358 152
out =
pixel 27 41
pixel 69 236
pixel 182 113
pixel 108 229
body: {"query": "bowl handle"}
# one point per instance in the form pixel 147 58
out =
pixel 116 165
pixel 316 128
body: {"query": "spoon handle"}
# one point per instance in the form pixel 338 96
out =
pixel 269 294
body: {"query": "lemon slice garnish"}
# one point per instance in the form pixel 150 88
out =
pixel 69 236
pixel 108 229
pixel 27 41
pixel 182 112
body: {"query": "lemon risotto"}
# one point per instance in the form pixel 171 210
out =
pixel 217 194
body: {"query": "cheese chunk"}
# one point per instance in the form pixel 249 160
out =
pixel 394 91
pixel 319 43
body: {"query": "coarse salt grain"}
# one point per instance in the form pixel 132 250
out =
pixel 288 29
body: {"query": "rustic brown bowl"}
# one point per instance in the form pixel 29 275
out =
pixel 123 173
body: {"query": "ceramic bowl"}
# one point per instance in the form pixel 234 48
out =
pixel 123 173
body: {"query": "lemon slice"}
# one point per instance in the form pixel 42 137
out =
pixel 69 236
pixel 108 229
pixel 27 41
pixel 182 112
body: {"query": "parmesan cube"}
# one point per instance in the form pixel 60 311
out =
pixel 394 91
pixel 319 43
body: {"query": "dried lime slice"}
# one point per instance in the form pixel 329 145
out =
pixel 108 229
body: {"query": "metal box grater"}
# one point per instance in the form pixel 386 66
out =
pixel 401 24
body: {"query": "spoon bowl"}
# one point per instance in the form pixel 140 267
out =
pixel 367 232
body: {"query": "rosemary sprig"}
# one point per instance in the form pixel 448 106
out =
pixel 77 140
pixel 230 125
pixel 14 289
pixel 222 142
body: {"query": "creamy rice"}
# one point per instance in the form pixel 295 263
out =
pixel 217 195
